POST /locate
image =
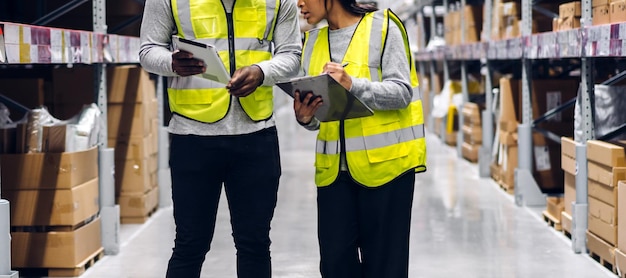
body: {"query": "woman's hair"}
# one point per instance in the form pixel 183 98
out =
pixel 357 8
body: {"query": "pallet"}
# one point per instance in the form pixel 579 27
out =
pixel 601 252
pixel 63 272
pixel 507 188
pixel 551 220
pixel 138 219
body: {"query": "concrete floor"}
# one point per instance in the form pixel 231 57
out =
pixel 463 226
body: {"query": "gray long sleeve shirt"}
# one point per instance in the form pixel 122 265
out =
pixel 155 56
pixel 394 91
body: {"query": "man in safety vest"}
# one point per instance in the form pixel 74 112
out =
pixel 222 133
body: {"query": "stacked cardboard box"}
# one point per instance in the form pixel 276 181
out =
pixel 569 16
pixel 54 208
pixel 471 17
pixel 568 164
pixel 600 12
pixel 132 127
pixel 620 252
pixel 472 131
pixel 546 95
pixel 605 168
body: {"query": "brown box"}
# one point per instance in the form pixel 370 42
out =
pixel 471 114
pixel 472 134
pixel 134 148
pixel 127 120
pixel 48 170
pixel 568 165
pixel 617 11
pixel 509 100
pixel 606 175
pixel 508 163
pixel 566 221
pixel 602 192
pixel 470 151
pixel 600 247
pixel 554 206
pixel 603 220
pixel 605 153
pixel 621 214
pixel 138 204
pixel 571 9
pixel 129 84
pixel 132 176
pixel 620 260
pixel 58 249
pixel 53 138
pixel 569 192
pixel 568 23
pixel 568 147
pixel 600 14
pixel 53 207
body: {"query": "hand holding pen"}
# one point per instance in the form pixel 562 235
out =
pixel 337 72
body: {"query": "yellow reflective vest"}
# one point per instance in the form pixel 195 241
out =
pixel 378 148
pixel 242 38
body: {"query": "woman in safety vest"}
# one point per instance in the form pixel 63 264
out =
pixel 364 167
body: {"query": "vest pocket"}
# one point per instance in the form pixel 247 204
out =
pixel 206 27
pixel 191 96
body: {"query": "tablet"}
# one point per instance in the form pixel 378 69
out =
pixel 338 103
pixel 215 69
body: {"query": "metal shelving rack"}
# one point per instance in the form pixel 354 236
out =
pixel 99 49
pixel 586 43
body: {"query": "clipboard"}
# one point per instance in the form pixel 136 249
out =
pixel 215 69
pixel 339 103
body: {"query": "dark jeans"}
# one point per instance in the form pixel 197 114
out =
pixel 364 232
pixel 249 167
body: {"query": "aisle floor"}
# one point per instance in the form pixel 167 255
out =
pixel 463 226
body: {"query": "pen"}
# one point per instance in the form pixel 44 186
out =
pixel 344 65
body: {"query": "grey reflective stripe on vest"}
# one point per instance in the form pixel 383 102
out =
pixel 372 141
pixel 241 43
pixel 376 44
pixel 270 7
pixel 308 50
pixel 416 94
pixel 184 15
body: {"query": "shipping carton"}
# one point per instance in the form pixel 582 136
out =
pixel 48 170
pixel 603 220
pixel 54 207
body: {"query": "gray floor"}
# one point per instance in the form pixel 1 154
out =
pixel 463 226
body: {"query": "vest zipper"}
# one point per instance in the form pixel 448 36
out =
pixel 231 42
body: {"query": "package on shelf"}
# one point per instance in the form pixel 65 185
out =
pixel 48 170
pixel 554 206
pixel 469 151
pixel 617 11
pixel 568 164
pixel 570 9
pixel 609 102
pixel 67 207
pixel 136 175
pixel 137 207
pixel 621 214
pixel 56 249
pixel 602 220
pixel 600 12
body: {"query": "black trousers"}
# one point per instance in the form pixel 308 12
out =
pixel 364 232
pixel 249 168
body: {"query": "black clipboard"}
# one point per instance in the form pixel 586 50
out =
pixel 215 69
pixel 339 103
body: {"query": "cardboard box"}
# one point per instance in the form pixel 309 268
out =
pixel 600 248
pixel 621 214
pixel 54 207
pixel 571 9
pixel 620 260
pixel 129 84
pixel 471 114
pixel 617 11
pixel 602 192
pixel 58 249
pixel 566 221
pixel 604 174
pixel 569 192
pixel 128 120
pixel 568 147
pixel 554 206
pixel 605 153
pixel 138 204
pixel 568 165
pixel 472 134
pixel 568 23
pixel 509 100
pixel 132 176
pixel 470 151
pixel 134 148
pixel 600 15
pixel 48 170
pixel 54 138
pixel 602 220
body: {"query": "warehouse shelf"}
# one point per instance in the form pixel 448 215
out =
pixel 586 44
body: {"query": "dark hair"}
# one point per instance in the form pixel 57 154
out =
pixel 357 8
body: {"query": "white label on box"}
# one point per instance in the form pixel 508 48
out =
pixel 553 100
pixel 11 34
pixel 26 37
pixel 542 158
pixel 13 53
